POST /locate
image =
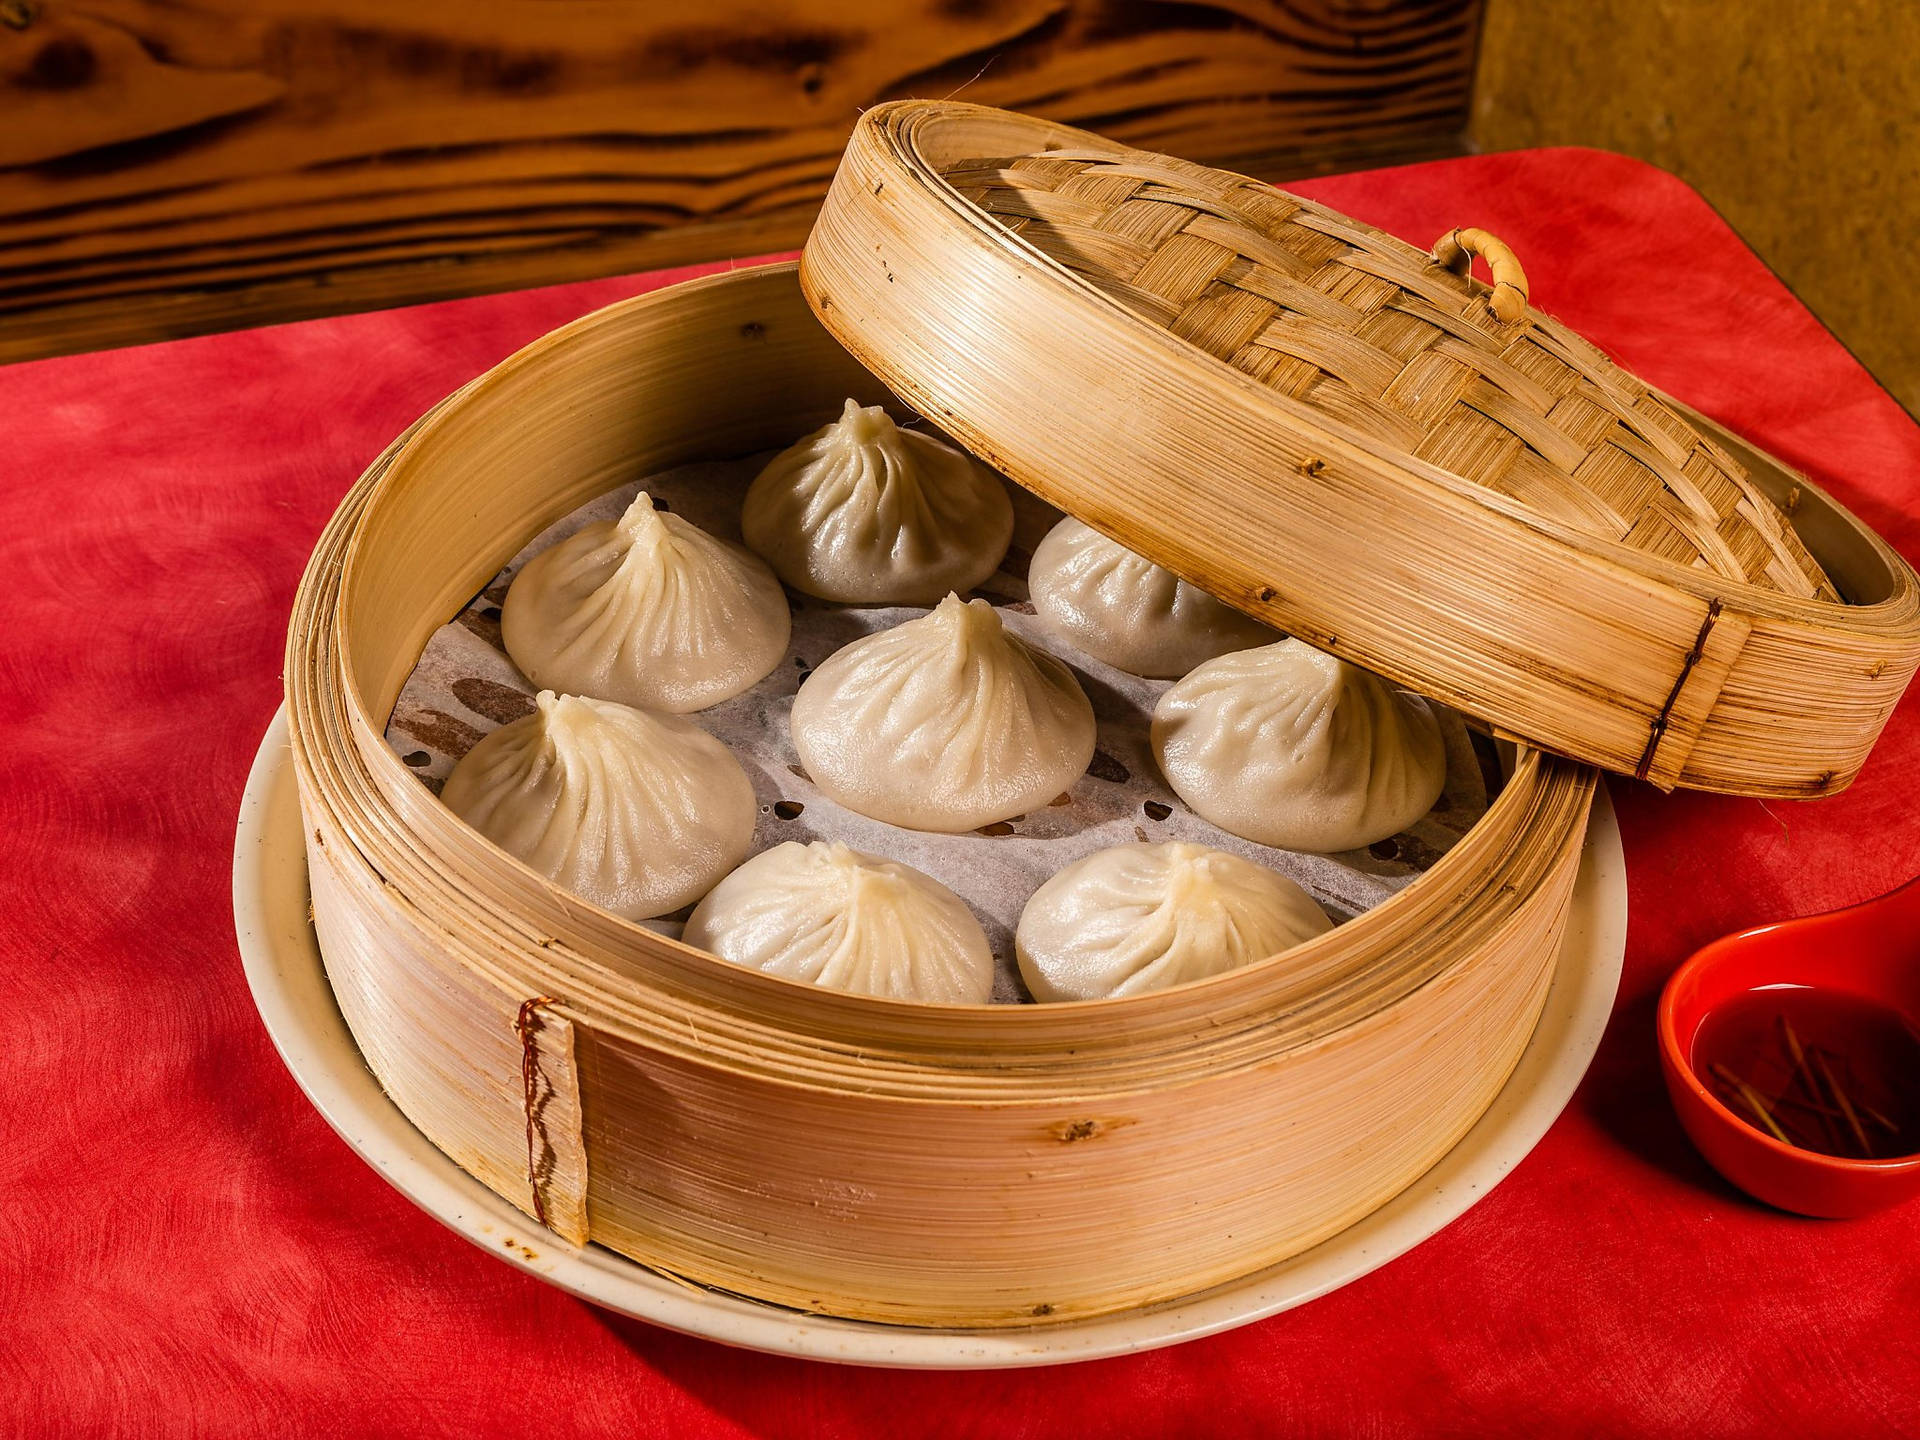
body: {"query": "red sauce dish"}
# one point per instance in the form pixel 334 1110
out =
pixel 1808 1030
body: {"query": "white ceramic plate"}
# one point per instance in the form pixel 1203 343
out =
pixel 290 988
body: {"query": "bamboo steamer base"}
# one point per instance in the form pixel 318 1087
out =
pixel 956 1166
pixel 297 1006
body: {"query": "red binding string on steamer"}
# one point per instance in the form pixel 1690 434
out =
pixel 1660 721
pixel 526 1025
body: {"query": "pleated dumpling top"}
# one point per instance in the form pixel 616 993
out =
pixel 946 723
pixel 829 915
pixel 866 513
pixel 638 812
pixel 646 610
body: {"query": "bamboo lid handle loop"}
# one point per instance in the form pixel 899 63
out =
pixel 1456 250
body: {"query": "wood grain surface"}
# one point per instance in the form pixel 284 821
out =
pixel 170 168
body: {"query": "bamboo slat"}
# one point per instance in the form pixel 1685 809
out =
pixel 1547 543
pixel 932 1165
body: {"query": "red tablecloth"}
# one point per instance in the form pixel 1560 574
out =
pixel 185 1248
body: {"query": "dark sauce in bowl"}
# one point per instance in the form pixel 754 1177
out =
pixel 1819 1068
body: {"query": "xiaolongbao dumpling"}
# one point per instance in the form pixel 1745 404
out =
pixel 1143 917
pixel 944 723
pixel 636 812
pixel 1123 609
pixel 1290 747
pixel 832 916
pixel 645 610
pixel 866 513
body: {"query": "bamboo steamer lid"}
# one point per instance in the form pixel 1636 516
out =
pixel 1362 445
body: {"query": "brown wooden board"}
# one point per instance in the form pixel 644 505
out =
pixel 167 169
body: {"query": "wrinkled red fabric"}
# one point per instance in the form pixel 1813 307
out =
pixel 186 1248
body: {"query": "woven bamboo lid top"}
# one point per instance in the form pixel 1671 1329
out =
pixel 1376 334
pixel 1358 443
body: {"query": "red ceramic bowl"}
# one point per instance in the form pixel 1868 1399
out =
pixel 1869 951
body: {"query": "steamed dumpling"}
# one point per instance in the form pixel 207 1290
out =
pixel 1290 747
pixel 1123 609
pixel 944 723
pixel 636 812
pixel 866 513
pixel 828 915
pixel 1143 917
pixel 645 610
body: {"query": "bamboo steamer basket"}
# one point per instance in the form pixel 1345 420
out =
pixel 1550 544
pixel 955 1166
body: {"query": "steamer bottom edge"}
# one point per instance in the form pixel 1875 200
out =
pixel 291 993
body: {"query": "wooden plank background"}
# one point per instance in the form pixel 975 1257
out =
pixel 169 167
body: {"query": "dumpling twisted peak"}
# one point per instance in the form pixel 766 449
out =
pixel 829 915
pixel 646 610
pixel 863 512
pixel 1135 918
pixel 1128 612
pixel 947 722
pixel 637 812
pixel 1290 747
